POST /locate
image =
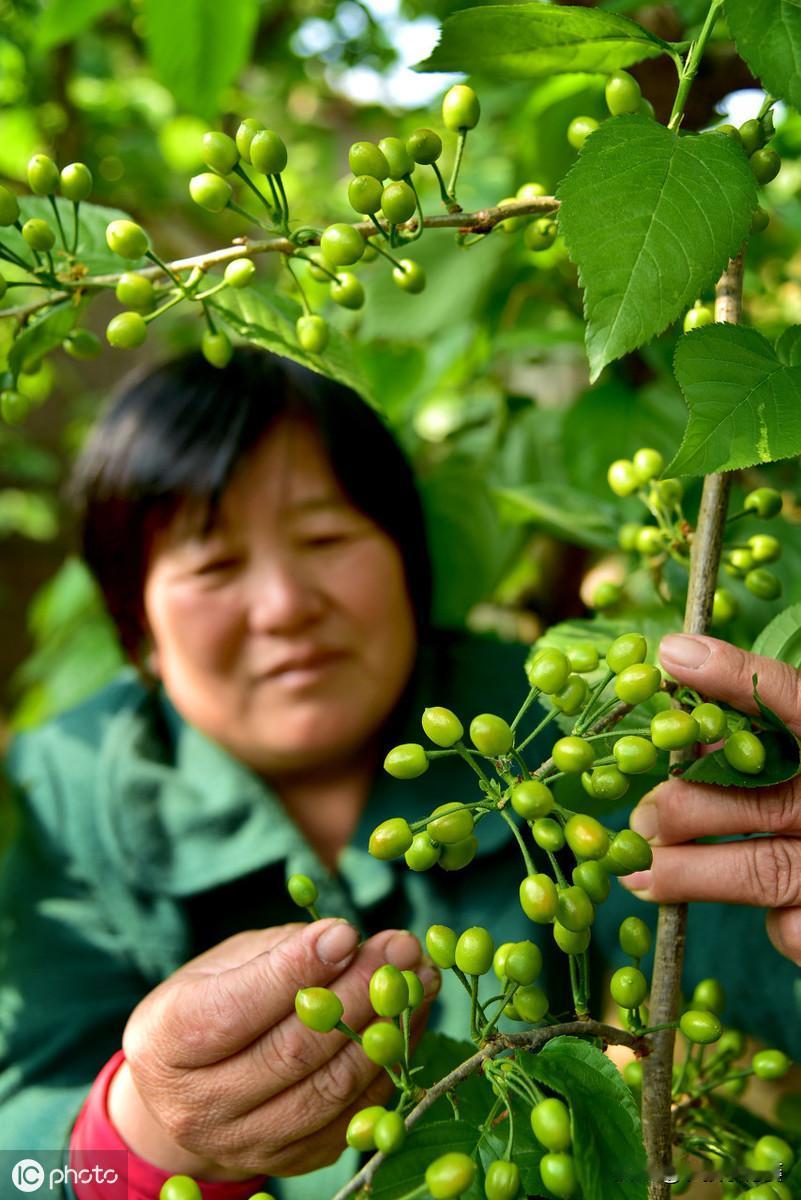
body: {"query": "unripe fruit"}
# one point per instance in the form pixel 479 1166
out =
pixel 763 584
pixel 523 963
pixel 416 989
pixel 135 291
pixel 347 290
pixel 697 317
pixel 451 823
pixel 666 493
pixel 770 1064
pixel 502 1180
pixel 390 839
pixel 389 1132
pixel 239 273
pixel 302 890
pixel 407 761
pixel 364 194
pixel 648 464
pixel 699 1026
pixel 574 909
pixel 474 951
pixel 770 1152
pixel 622 477
pixel 579 130
pixel 763 502
pixel 538 898
pixel 268 152
pixel 14 407
pixel 570 941
pixel 540 234
pixel 548 834
pixel 248 128
pixel 312 333
pixel 549 670
pixel 126 331
pixel 628 987
pixel 558 1173
pixel 43 177
pixel 634 754
pixel 9 207
pixel 182 1187
pixel 623 94
pixel 342 245
pixel 550 1124
pixel 409 276
pixel 633 1074
pixel 764 548
pixel 724 607
pixel 441 946
pixel 398 202
pixel 459 854
pixel 744 751
pixel 766 164
pixel 76 182
pixel 650 541
pixel 82 344
pixel 711 722
pixel 361 1130
pixel 364 158
pixel 637 683
pixel 634 937
pixel 674 729
pixel 38 234
pixel 531 191
pixel 625 651
pixel 628 852
pixel 752 135
pixel 593 879
pixel 318 1008
pixel 531 1003
pixel 572 754
pixel 491 735
pixel 424 146
pixel 605 783
pixel 389 991
pixel 586 837
pixel 399 160
pixel 442 726
pixel 127 239
pixel 383 1043
pixel 450 1175
pixel 582 658
pixel 532 799
pixel 460 108
pixel 220 152
pixel 759 221
pixel 708 994
pixel 216 348
pixel 423 854
pixel 573 696
pixel 606 594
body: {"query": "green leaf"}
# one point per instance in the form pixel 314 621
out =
pixel 45 332
pixel 267 319
pixel 781 638
pixel 198 47
pixel 745 405
pixel 788 347
pixel 651 220
pixel 607 1135
pixel 518 41
pixel 62 20
pixel 768 37
pixel 438 1055
pixel 28 514
pixel 563 511
pixel 404 1171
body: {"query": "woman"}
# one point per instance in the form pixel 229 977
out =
pixel 261 547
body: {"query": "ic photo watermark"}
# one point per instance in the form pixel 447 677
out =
pixel 54 1174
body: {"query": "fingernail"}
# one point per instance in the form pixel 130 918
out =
pixel 403 950
pixel 337 943
pixel 645 820
pixel 430 979
pixel 684 651
pixel 639 881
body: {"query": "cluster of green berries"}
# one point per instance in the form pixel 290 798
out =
pixel 753 136
pixel 516 964
pixel 74 182
pixel 184 1187
pixel 539 233
pixel 623 96
pixel 550 1124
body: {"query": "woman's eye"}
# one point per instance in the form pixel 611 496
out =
pixel 222 564
pixel 325 539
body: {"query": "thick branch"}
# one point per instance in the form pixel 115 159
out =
pixel 672 924
pixel 532 1040
pixel 482 221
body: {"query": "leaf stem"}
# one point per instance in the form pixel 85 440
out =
pixel 692 63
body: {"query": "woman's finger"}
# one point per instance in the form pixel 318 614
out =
pixel 724 672
pixel 676 812
pixel 784 930
pixel 763 872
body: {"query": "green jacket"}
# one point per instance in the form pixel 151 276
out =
pixel 140 843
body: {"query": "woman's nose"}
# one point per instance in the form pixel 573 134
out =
pixel 283 596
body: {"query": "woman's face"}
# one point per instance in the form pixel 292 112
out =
pixel 286 635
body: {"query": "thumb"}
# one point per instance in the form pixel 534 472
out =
pixel 724 672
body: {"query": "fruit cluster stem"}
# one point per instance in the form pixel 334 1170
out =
pixel 671 934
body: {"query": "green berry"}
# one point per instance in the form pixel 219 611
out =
pixel 502 1180
pixel 766 164
pixel 724 607
pixel 389 991
pixel 365 158
pixel 383 1043
pixel 211 192
pixel 390 839
pixel 398 202
pixel 216 348
pixel 650 541
pixel 711 722
pixel 548 834
pixel 572 754
pixel 416 990
pixel 634 937
pixel 248 128
pixel 763 584
pixel 593 879
pixel 312 333
pixel 606 783
pixel 135 291
pixel 628 852
pixel 239 273
pixel 708 994
pixel 627 535
pixel 127 239
pixel 407 761
pixel 442 726
pixel 626 651
pixel 632 1074
pixel 550 1124
pixel 697 317
pixel 699 1026
pixel 732 1044
pixel 76 182
pixel 634 754
pixel 532 799
pixel 606 594
pixel 38 234
pixel 628 987
pixel 424 146
pixel 770 1064
pixel 441 946
pixel 460 108
pixel 450 823
pixel 9 207
pixel 450 1175
pixel 318 1008
pixel 538 898
pixel 14 407
pixel 361 1130
pixel 673 729
pixel 491 735
pixel 389 1133
pixel 530 191
pixel 126 331
pixel 763 502
pixel 533 1004
pixel 637 683
pixel 772 1152
pixel 622 477
pixel 474 951
pixel 409 276
pixel 364 194
pixel 268 152
pixel 399 160
pixel 540 234
pixel 579 129
pixel 342 245
pixel 744 751
pixel 423 854
pixel 623 94
pixel 220 152
pixel 574 909
pixel 666 493
pixel 752 135
pixel 181 1187
pixel 764 547
pixel 549 670
pixel 759 221
pixel 648 464
pixel 582 658
pixel 347 290
pixel 573 696
pixel 458 854
pixel 523 963
pixel 82 344
pixel 586 837
pixel 499 959
pixel 43 177
pixel 302 890
pixel 558 1173
pixel 570 941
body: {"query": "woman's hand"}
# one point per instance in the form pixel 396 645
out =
pixel 226 1071
pixel 765 872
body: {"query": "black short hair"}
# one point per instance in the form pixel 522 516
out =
pixel 177 433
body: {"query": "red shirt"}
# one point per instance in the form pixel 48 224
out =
pixel 105 1169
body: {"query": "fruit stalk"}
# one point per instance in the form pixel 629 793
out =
pixel 672 924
